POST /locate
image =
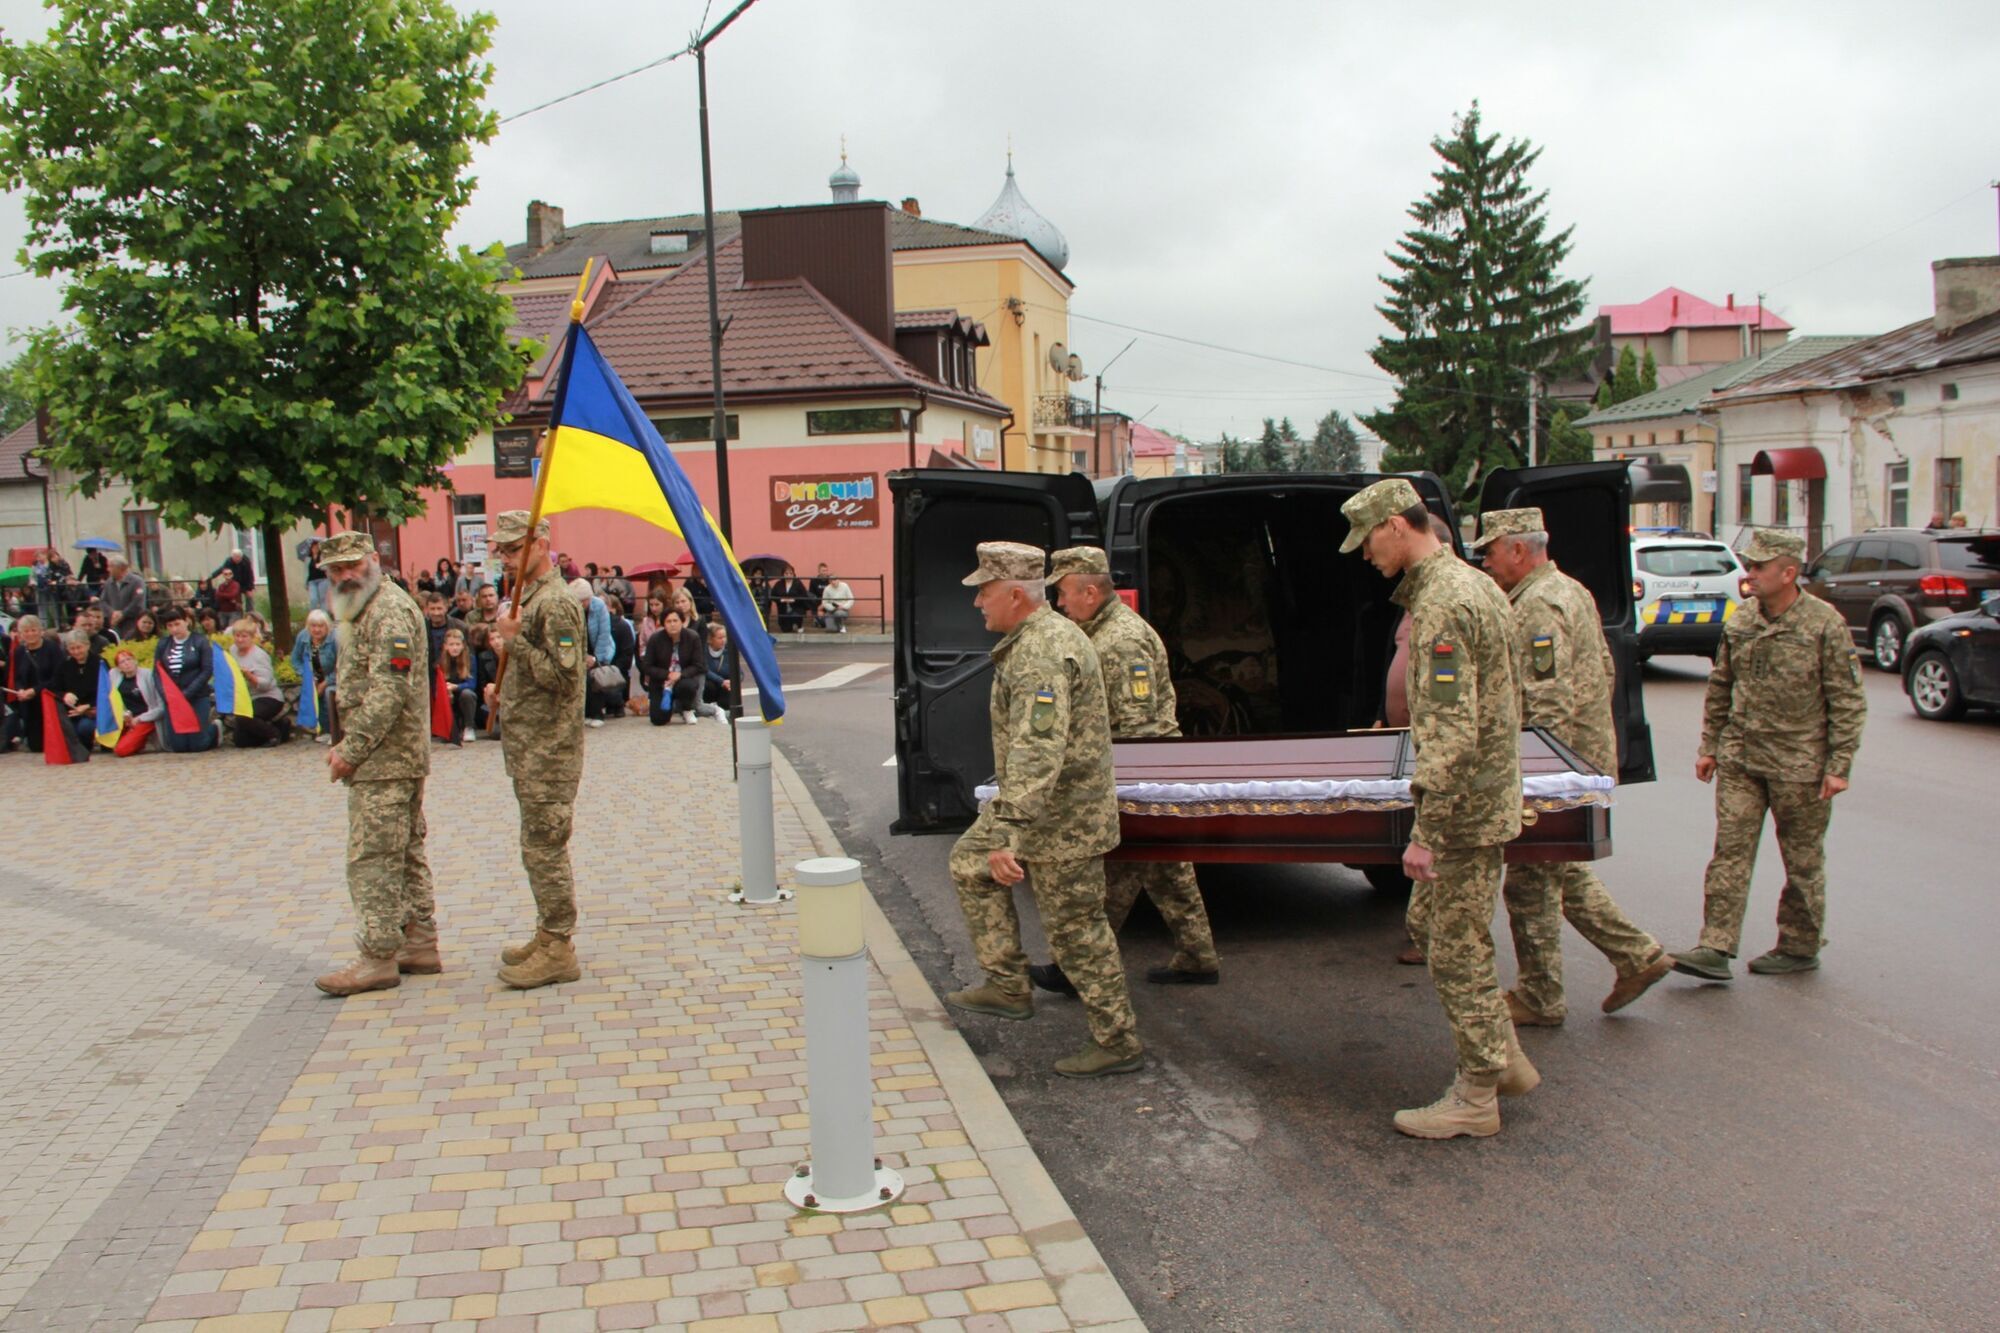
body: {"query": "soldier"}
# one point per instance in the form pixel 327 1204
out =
pixel 1054 817
pixel 1779 730
pixel 541 737
pixel 1566 677
pixel 1140 694
pixel 384 755
pixel 1465 725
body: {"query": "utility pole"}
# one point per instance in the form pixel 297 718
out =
pixel 1531 418
pixel 700 47
pixel 1097 416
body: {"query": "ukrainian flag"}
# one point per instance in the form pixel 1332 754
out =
pixel 308 712
pixel 602 453
pixel 110 709
pixel 232 691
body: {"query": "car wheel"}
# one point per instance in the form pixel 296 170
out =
pixel 1387 879
pixel 1886 639
pixel 1934 688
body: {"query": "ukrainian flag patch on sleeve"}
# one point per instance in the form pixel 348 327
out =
pixel 1444 673
pixel 1141 681
pixel 1542 652
pixel 1043 715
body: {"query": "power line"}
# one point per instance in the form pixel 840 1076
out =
pixel 593 87
pixel 1849 254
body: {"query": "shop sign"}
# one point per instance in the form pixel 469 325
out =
pixel 799 504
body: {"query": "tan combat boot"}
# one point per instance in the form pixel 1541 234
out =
pixel 1631 988
pixel 1519 1076
pixel 552 959
pixel 990 999
pixel 1471 1106
pixel 420 949
pixel 1525 1017
pixel 363 974
pixel 514 955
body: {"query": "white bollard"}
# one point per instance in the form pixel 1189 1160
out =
pixel 755 831
pixel 844 1175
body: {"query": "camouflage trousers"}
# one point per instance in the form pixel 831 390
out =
pixel 1451 919
pixel 1070 897
pixel 1172 887
pixel 548 811
pixel 1801 816
pixel 1539 898
pixel 387 876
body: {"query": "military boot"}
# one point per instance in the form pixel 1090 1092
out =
pixel 1526 1017
pixel 1050 977
pixel 1471 1106
pixel 363 974
pixel 1520 1076
pixel 552 959
pixel 1708 964
pixel 1631 988
pixel 514 955
pixel 990 999
pixel 420 949
pixel 1093 1061
pixel 1778 963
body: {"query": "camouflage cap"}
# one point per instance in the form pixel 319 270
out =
pixel 1771 544
pixel 1078 560
pixel 1507 523
pixel 1375 506
pixel 345 547
pixel 512 526
pixel 1006 560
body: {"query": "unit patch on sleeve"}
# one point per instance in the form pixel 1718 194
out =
pixel 1542 651
pixel 1444 673
pixel 1141 681
pixel 1042 716
pixel 399 653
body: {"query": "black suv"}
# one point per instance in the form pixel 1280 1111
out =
pixel 1887 582
pixel 1271 631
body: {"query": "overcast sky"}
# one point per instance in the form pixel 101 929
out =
pixel 1234 174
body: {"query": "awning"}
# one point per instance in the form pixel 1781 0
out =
pixel 1801 464
pixel 1660 483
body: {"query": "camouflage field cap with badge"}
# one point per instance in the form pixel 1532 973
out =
pixel 1371 508
pixel 344 548
pixel 1771 544
pixel 1507 523
pixel 511 526
pixel 1078 560
pixel 1011 561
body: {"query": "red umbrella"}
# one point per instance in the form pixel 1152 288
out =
pixel 657 567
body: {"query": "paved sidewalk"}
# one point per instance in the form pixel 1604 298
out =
pixel 197 1140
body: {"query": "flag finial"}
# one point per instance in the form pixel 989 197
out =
pixel 582 286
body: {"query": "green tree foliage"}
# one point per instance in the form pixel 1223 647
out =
pixel 1269 454
pixel 17 402
pixel 247 202
pixel 1228 454
pixel 1604 398
pixel 1625 379
pixel 1335 447
pixel 1567 442
pixel 1649 373
pixel 1477 301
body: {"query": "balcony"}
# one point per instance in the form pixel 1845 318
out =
pixel 1064 414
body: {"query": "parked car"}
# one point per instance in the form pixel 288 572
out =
pixel 1954 662
pixel 1888 582
pixel 1270 631
pixel 1686 588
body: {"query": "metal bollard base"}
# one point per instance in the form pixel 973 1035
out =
pixel 738 896
pixel 799 1190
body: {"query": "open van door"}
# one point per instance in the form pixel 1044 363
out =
pixel 1587 507
pixel 944 674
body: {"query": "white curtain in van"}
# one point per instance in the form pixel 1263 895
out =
pixel 1544 790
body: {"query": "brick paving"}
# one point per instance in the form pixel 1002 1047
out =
pixel 198 1140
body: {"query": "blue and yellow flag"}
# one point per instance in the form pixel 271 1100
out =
pixel 232 692
pixel 308 712
pixel 110 709
pixel 602 453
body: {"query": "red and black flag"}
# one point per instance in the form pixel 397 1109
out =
pixel 442 720
pixel 59 740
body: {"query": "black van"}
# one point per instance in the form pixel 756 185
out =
pixel 1271 631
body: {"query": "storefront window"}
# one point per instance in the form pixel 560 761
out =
pixel 855 421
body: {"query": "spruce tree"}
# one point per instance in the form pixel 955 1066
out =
pixel 1334 447
pixel 1477 302
pixel 1649 373
pixel 1293 447
pixel 1269 455
pixel 1567 442
pixel 1625 379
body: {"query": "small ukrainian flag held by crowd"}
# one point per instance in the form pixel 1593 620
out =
pixel 232 692
pixel 110 709
pixel 308 710
pixel 602 453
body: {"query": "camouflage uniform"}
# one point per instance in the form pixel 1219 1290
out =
pixel 1566 682
pixel 1140 694
pixel 385 722
pixel 1784 709
pixel 1057 811
pixel 541 739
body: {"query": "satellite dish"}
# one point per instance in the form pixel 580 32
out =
pixel 1075 368
pixel 1059 358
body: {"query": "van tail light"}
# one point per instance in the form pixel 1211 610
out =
pixel 1129 596
pixel 1941 585
pixel 1742 588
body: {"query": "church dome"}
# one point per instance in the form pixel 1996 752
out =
pixel 845 182
pixel 1012 215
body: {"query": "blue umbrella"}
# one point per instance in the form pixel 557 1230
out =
pixel 99 544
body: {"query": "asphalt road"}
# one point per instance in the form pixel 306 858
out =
pixel 1796 1152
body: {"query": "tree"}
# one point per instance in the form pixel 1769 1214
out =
pixel 1625 379
pixel 1334 448
pixel 1269 454
pixel 248 203
pixel 1649 373
pixel 1477 302
pixel 17 402
pixel 1604 398
pixel 1230 454
pixel 1567 443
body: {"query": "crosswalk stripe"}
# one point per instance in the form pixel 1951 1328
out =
pixel 832 680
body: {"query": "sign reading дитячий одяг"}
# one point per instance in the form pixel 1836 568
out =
pixel 837 501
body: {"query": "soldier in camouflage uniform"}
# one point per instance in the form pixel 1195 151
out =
pixel 541 738
pixel 1779 731
pixel 1054 816
pixel 1566 678
pixel 383 755
pixel 1140 694
pixel 1465 727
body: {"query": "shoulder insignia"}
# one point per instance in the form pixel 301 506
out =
pixel 1042 717
pixel 399 652
pixel 1444 673
pixel 1542 652
pixel 1142 681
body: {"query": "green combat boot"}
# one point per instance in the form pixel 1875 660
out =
pixel 1708 964
pixel 990 999
pixel 1093 1061
pixel 553 960
pixel 1778 963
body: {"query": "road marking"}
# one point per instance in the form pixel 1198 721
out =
pixel 832 680
pixel 890 762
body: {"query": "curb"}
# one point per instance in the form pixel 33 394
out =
pixel 1084 1285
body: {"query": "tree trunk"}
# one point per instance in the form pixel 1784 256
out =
pixel 276 569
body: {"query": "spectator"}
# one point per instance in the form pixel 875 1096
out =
pixel 267 723
pixel 691 616
pixel 479 639
pixel 717 668
pixel 144 626
pixel 143 706
pixel 760 595
pixel 461 605
pixel 817 590
pixel 625 650
pixel 124 596
pixel 316 580
pixel 1959 519
pixel 239 568
pixel 437 621
pixel 183 657
pixel 696 587
pixel 485 606
pixel 651 618
pixel 598 648
pixel 33 660
pixel 617 585
pixel 425 582
pixel 93 571
pixel 836 603
pixel 591 576
pixel 673 666
pixel 461 677
pixel 228 597
pixel 320 646
pixel 209 624
pixel 792 601
pixel 76 687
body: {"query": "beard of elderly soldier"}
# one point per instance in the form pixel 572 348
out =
pixel 355 582
pixel 1005 603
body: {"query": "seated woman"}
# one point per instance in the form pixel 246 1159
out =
pixel 76 686
pixel 625 645
pixel 318 647
pixel 673 669
pixel 33 659
pixel 183 658
pixel 267 723
pixel 144 626
pixel 461 676
pixel 143 706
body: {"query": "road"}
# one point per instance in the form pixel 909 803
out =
pixel 1797 1152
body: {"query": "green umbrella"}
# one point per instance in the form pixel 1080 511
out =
pixel 20 576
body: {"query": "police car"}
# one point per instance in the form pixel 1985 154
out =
pixel 1686 586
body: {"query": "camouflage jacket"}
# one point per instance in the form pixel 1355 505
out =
pixel 1785 698
pixel 385 689
pixel 1465 706
pixel 541 700
pixel 1564 665
pixel 1057 799
pixel 1137 687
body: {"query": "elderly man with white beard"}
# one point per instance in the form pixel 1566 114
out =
pixel 384 756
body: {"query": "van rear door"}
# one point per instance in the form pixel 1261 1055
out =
pixel 944 741
pixel 1587 507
